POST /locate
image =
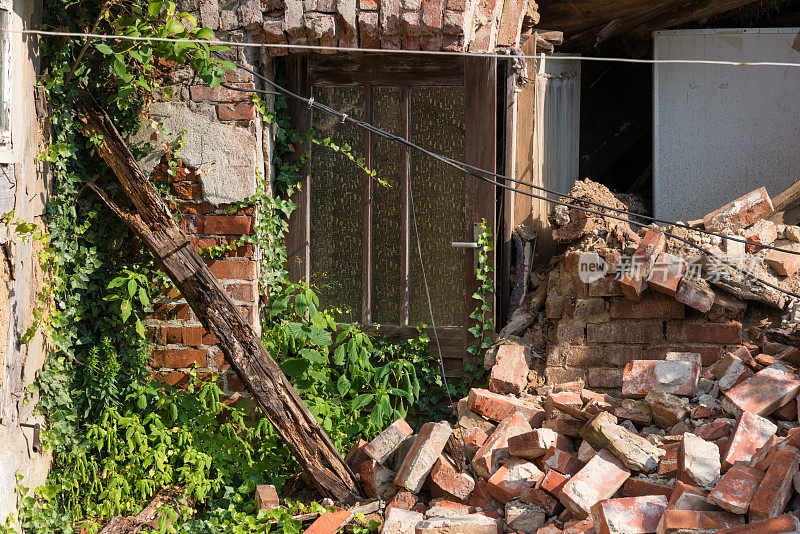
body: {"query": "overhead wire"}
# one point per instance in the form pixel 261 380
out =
pixel 323 48
pixel 345 118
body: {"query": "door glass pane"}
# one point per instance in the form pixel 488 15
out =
pixel 386 232
pixel 436 122
pixel 336 203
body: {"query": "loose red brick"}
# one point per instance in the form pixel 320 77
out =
pixel 634 280
pixel 683 521
pixel 688 497
pixel 375 478
pixel 565 425
pixel 763 232
pixel 509 481
pixel 237 112
pixel 674 377
pixel 766 391
pixel 561 461
pixel 715 430
pixel 330 523
pixel 750 434
pixel 499 407
pixel 509 374
pixel 553 482
pixel 631 515
pixel 787 412
pixel 467 524
pixel 579 527
pixel 636 487
pixel 534 444
pixel 179 358
pixel 599 479
pixel 764 457
pixel 607 286
pixel 740 213
pixel 267 497
pixel 388 441
pixel 775 489
pixel 665 276
pixel 784 263
pixel 538 497
pixel 699 332
pixel 404 500
pixel 736 489
pixel 567 399
pixel 356 455
pixel 696 294
pixel 446 480
pixel 424 452
pixel 625 332
pixel 495 449
pixel 651 306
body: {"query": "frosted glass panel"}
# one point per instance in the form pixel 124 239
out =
pixel 386 231
pixel 436 122
pixel 336 204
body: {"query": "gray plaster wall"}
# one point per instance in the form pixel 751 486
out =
pixel 24 189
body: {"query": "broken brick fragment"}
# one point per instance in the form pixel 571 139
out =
pixel 776 487
pixel 736 489
pixel 675 377
pixel 740 213
pixel 765 391
pixel 629 515
pixel 426 449
pixel 380 448
pixel 495 450
pixel 516 475
pixel 685 521
pixel 749 435
pixel 599 479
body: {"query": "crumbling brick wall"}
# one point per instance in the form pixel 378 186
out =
pixel 222 155
pixel 597 331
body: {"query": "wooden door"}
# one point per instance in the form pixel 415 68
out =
pixel 354 236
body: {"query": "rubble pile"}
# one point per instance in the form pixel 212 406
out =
pixel 656 399
pixel 684 449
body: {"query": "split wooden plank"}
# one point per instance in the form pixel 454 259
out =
pixel 151 220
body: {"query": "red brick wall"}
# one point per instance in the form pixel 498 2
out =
pixel 179 342
pixel 598 331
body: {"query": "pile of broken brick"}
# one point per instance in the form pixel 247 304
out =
pixel 683 450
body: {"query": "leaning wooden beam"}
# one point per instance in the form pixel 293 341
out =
pixel 151 220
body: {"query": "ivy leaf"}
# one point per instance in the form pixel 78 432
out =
pixel 154 8
pixel 104 48
pixel 175 26
pixel 204 33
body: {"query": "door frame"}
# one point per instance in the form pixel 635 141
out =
pixel 478 76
